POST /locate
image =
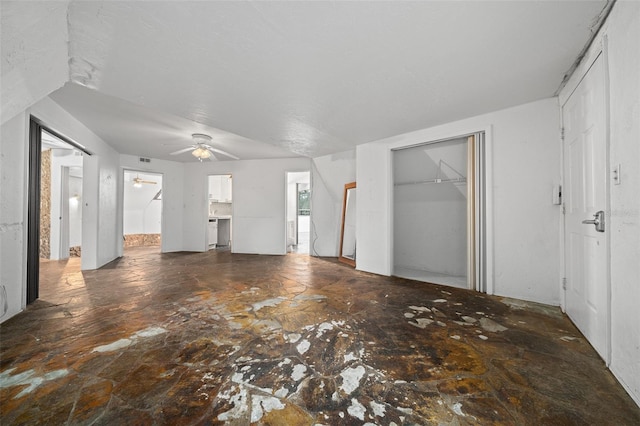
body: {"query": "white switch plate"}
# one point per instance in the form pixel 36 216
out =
pixel 616 175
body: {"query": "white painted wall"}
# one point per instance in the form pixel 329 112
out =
pixel 99 197
pixel 259 203
pixel 329 174
pixel 100 177
pixel 622 30
pixel 430 220
pixel 524 152
pixel 152 218
pixel 172 198
pixel 13 233
pixel 75 211
pixel 141 213
pixel 147 220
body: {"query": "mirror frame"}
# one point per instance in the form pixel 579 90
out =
pixel 347 187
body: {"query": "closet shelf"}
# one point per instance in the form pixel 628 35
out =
pixel 429 181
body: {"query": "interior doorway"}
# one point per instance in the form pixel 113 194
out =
pixel 60 199
pixel 55 208
pixel 142 209
pixel 60 207
pixel 220 212
pixel 298 212
pixel 438 212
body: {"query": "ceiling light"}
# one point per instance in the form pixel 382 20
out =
pixel 201 153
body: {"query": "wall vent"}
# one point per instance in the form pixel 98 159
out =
pixel 145 160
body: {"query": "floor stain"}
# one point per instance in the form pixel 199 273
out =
pixel 220 338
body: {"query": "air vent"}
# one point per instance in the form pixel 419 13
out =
pixel 145 160
pixel 77 153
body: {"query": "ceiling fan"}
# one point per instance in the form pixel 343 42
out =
pixel 202 150
pixel 137 182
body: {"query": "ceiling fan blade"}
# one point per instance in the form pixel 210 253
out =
pixel 219 151
pixel 212 157
pixel 148 181
pixel 182 150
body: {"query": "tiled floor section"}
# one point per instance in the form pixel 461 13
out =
pixel 213 338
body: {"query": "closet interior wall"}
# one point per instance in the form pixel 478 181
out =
pixel 430 212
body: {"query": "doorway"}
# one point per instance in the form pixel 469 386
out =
pixel 586 194
pixel 220 212
pixel 298 212
pixel 439 213
pixel 142 209
pixel 60 207
pixel 54 218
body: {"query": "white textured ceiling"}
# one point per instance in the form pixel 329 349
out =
pixel 314 78
pixel 136 130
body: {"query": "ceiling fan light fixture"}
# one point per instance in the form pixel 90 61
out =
pixel 201 153
pixel 199 138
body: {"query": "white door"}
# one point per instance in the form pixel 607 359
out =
pixel 585 171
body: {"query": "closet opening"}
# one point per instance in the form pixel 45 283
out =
pixel 438 212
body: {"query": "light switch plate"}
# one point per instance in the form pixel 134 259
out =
pixel 616 175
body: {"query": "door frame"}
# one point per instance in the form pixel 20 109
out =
pixel 598 48
pixel 64 228
pixel 206 208
pixel 34 163
pixel 33 215
pixel 124 170
pixel 286 207
pixel 479 244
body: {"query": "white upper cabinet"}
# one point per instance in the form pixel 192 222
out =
pixel 220 188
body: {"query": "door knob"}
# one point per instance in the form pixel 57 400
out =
pixel 598 221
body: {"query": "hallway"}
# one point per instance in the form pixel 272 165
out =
pixel 215 338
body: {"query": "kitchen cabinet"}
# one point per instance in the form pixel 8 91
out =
pixel 220 188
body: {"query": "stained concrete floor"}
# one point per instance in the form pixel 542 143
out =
pixel 219 338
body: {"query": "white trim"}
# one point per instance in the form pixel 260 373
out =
pixel 562 270
pixel 607 126
pixel 488 213
pixel 26 125
pixel 620 378
pixel 390 209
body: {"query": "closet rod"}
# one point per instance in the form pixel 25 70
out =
pixel 423 182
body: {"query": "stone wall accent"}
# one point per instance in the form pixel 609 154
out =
pixel 45 205
pixel 138 240
pixel 75 251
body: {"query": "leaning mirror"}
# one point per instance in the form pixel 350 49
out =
pixel 348 229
